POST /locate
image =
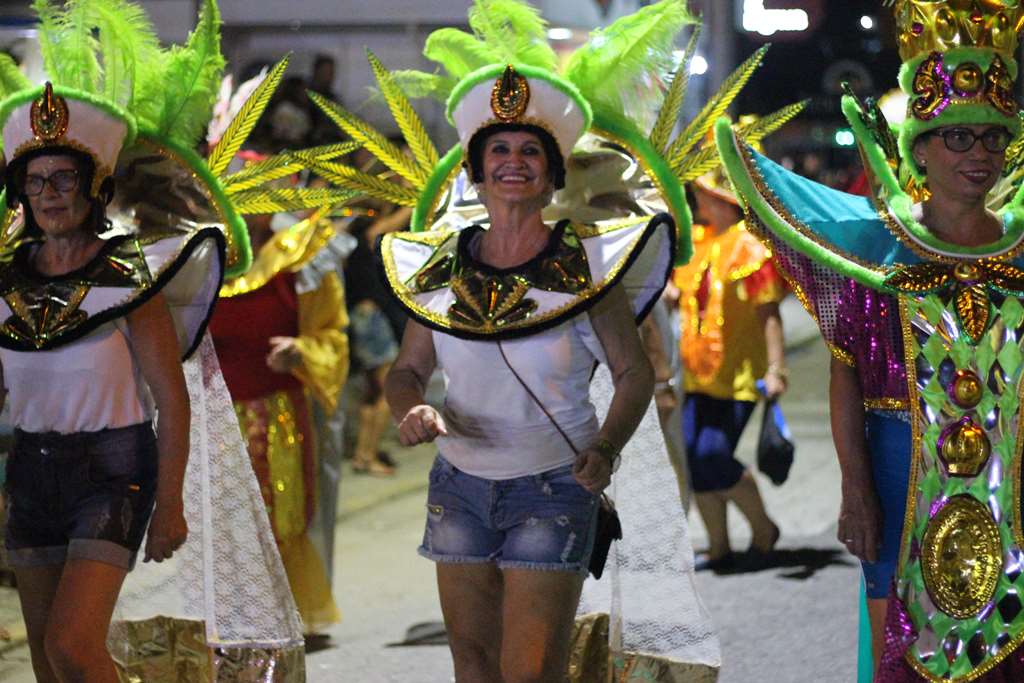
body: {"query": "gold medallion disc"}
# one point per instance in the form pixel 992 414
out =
pixel 961 557
pixel 964 448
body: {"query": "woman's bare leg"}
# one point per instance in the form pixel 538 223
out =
pixel 538 614
pixel 37 587
pixel 471 597
pixel 876 615
pixel 76 631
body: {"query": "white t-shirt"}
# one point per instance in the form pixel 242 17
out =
pixel 495 430
pixel 90 384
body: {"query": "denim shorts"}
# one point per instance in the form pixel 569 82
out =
pixel 544 521
pixel 87 495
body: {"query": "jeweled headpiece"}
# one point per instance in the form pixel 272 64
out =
pixel 519 93
pixel 959 65
pixel 926 26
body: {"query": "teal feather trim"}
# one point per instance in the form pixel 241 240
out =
pixel 195 69
pixel 744 185
pixel 634 54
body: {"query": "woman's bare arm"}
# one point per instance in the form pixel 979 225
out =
pixel 860 520
pixel 155 348
pixel 633 379
pixel 406 385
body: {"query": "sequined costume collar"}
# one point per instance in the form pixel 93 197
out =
pixel 41 312
pixel 439 281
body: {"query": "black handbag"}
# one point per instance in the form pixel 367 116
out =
pixel 775 447
pixel 609 528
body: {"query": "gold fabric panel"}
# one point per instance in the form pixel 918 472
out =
pixel 166 650
pixel 591 660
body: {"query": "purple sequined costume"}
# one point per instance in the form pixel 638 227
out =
pixel 862 328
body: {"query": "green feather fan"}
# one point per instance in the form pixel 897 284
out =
pixel 460 53
pixel 515 31
pixel 68 45
pixel 195 69
pixel 11 78
pixel 633 54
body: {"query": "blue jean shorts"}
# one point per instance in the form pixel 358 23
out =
pixel 543 521
pixel 80 496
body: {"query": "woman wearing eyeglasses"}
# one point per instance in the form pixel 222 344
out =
pixel 917 293
pixel 89 354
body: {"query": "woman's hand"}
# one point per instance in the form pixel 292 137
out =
pixel 284 355
pixel 422 424
pixel 167 531
pixel 860 523
pixel 593 470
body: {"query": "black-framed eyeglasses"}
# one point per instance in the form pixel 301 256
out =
pixel 994 140
pixel 61 181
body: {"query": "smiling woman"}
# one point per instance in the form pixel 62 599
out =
pixel 918 295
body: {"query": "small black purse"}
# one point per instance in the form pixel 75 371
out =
pixel 774 445
pixel 609 527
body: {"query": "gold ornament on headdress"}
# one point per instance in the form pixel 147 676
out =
pixel 510 96
pixel 49 115
pixel 925 26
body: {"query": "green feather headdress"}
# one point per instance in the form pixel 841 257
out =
pixel 139 110
pixel 639 114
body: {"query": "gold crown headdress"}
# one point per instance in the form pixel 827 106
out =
pixel 925 26
pixel 958 65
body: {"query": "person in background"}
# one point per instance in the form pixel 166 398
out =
pixel 731 336
pixel 322 130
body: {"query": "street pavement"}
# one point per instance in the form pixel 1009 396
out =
pixel 791 622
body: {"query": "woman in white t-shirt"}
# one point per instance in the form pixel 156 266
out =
pixel 516 316
pixel 90 354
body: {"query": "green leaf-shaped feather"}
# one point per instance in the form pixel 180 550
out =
pixel 192 80
pixel 240 127
pixel 386 151
pixel 695 132
pixel 288 199
pixel 669 113
pixel 355 180
pixel 281 166
pixel 417 84
pixel 763 126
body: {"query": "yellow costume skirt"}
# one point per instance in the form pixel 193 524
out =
pixel 280 439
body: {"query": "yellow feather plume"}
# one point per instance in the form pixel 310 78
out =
pixel 224 151
pixel 382 148
pixel 406 117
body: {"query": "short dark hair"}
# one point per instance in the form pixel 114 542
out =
pixel 475 156
pixel 321 59
pixel 18 169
